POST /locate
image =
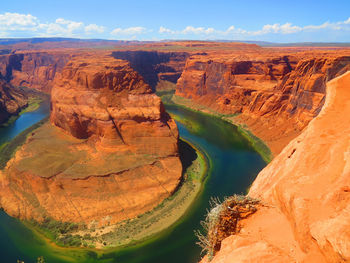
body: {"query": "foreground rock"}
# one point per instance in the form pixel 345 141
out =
pixel 110 153
pixel 12 100
pixel 305 194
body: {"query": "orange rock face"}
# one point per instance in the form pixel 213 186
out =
pixel 33 69
pixel 305 192
pixel 110 153
pixel 12 100
pixel 276 95
pixel 154 65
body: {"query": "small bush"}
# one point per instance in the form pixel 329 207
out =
pixel 222 220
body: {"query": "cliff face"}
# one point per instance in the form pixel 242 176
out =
pixel 154 65
pixel 32 69
pixel 110 153
pixel 304 194
pixel 12 100
pixel 276 96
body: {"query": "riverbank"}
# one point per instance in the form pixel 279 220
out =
pixel 35 98
pixel 139 229
pixel 169 97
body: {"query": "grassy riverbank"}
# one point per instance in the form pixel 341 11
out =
pixel 169 97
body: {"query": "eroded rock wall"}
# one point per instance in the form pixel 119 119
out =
pixel 33 69
pixel 276 96
pixel 12 100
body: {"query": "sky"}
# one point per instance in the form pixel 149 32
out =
pixel 257 20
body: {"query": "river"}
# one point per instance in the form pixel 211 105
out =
pixel 234 165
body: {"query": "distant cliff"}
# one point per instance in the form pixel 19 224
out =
pixel 275 95
pixel 33 69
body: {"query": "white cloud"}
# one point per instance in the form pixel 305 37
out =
pixel 15 24
pixel 268 29
pixel 15 19
pixel 163 30
pixel 129 31
pixel 19 24
pixel 89 29
pixel 198 30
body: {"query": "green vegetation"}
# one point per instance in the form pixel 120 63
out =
pixel 257 143
pixel 59 232
pixel 33 105
pixel 8 149
pixel 39 260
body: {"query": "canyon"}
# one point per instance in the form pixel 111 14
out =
pixel 115 152
pixel 109 154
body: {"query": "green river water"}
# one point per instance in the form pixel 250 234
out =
pixel 233 163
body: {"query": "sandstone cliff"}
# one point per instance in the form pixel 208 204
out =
pixel 12 100
pixel 276 95
pixel 33 69
pixel 155 66
pixel 305 202
pixel 110 153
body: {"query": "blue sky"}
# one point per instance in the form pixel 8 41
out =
pixel 277 21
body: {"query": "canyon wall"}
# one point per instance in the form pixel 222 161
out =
pixel 304 192
pixel 275 95
pixel 155 65
pixel 12 100
pixel 34 69
pixel 109 154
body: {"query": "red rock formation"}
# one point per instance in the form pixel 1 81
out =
pixel 275 95
pixel 12 100
pixel 32 69
pixel 114 155
pixel 305 194
pixel 154 65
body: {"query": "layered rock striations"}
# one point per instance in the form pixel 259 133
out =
pixel 109 154
pixel 155 66
pixel 34 69
pixel 304 193
pixel 275 95
pixel 12 100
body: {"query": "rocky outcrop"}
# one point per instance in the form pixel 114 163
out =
pixel 12 100
pixel 32 69
pixel 275 95
pixel 110 153
pixel 304 191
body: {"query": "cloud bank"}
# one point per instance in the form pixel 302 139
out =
pixel 27 25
